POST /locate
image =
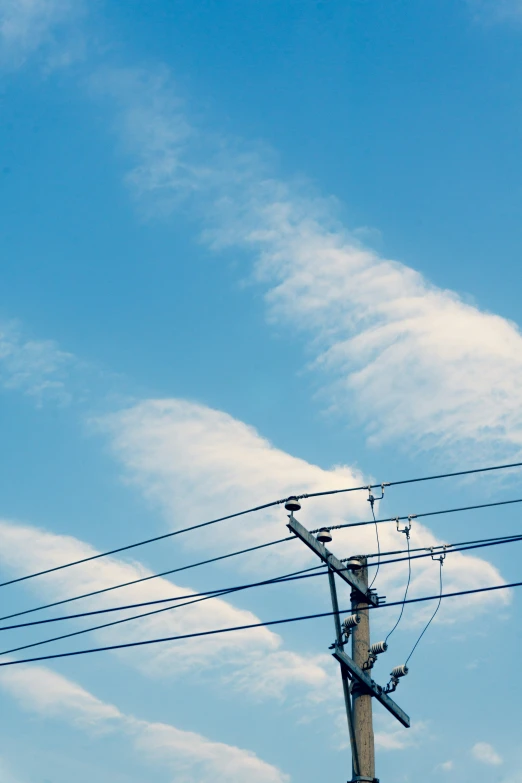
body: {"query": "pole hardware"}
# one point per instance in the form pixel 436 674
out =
pixel 324 536
pixel 396 674
pixel 439 557
pixel 292 504
pixel 375 649
pixel 352 578
pixel 406 529
pixel 358 687
pixel 349 624
pixel 371 497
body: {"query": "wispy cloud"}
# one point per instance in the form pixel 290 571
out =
pixel 399 738
pixel 189 756
pixel 29 25
pixel 417 364
pixel 486 754
pixel 446 766
pixel 37 368
pixel 191 461
pixel 26 549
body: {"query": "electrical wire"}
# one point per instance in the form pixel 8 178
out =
pixel 411 481
pixel 427 552
pixel 144 579
pixel 303 574
pixel 441 560
pixel 267 624
pixel 405 592
pixel 372 500
pixel 514 536
pixel 454 548
pixel 156 601
pixel 418 516
pixel 141 543
pixel 272 503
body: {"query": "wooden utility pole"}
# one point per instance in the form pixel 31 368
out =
pixel 358 686
pixel 361 697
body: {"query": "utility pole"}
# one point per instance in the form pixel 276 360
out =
pixel 358 686
pixel 362 698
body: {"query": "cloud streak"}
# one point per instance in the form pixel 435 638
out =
pixel 486 754
pixel 413 361
pixel 29 25
pixel 190 460
pixel 37 368
pixel 27 549
pixel 189 756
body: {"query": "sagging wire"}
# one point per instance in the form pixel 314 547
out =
pixel 406 530
pixel 371 501
pixel 440 558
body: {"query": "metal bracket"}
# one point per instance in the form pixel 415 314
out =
pixel 334 564
pixel 363 680
pixel 359 779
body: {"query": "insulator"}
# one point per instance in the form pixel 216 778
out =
pixel 324 536
pixel 292 504
pixel 350 622
pixel 378 647
pixel 353 564
pixel 400 671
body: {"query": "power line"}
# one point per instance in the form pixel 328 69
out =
pixel 261 507
pixel 441 560
pixel 141 543
pixel 454 548
pixel 144 579
pixel 514 536
pixel 206 593
pixel 267 624
pixel 371 501
pixel 405 592
pixel 418 516
pixel 303 574
pixel 427 552
pixel 411 481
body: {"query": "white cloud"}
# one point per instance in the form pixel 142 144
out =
pixel 486 754
pixel 397 737
pixel 195 758
pixel 47 693
pixel 38 368
pixel 27 25
pixel 417 364
pixel 27 549
pixel 191 757
pixel 196 463
pixel 446 766
pixel 451 372
pixel 6 773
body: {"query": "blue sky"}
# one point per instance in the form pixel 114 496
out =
pixel 250 249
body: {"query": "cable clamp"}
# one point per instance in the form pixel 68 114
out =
pixel 371 497
pixel 439 557
pixel 406 529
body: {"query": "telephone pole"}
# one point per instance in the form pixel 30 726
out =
pixel 358 687
pixel 361 697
